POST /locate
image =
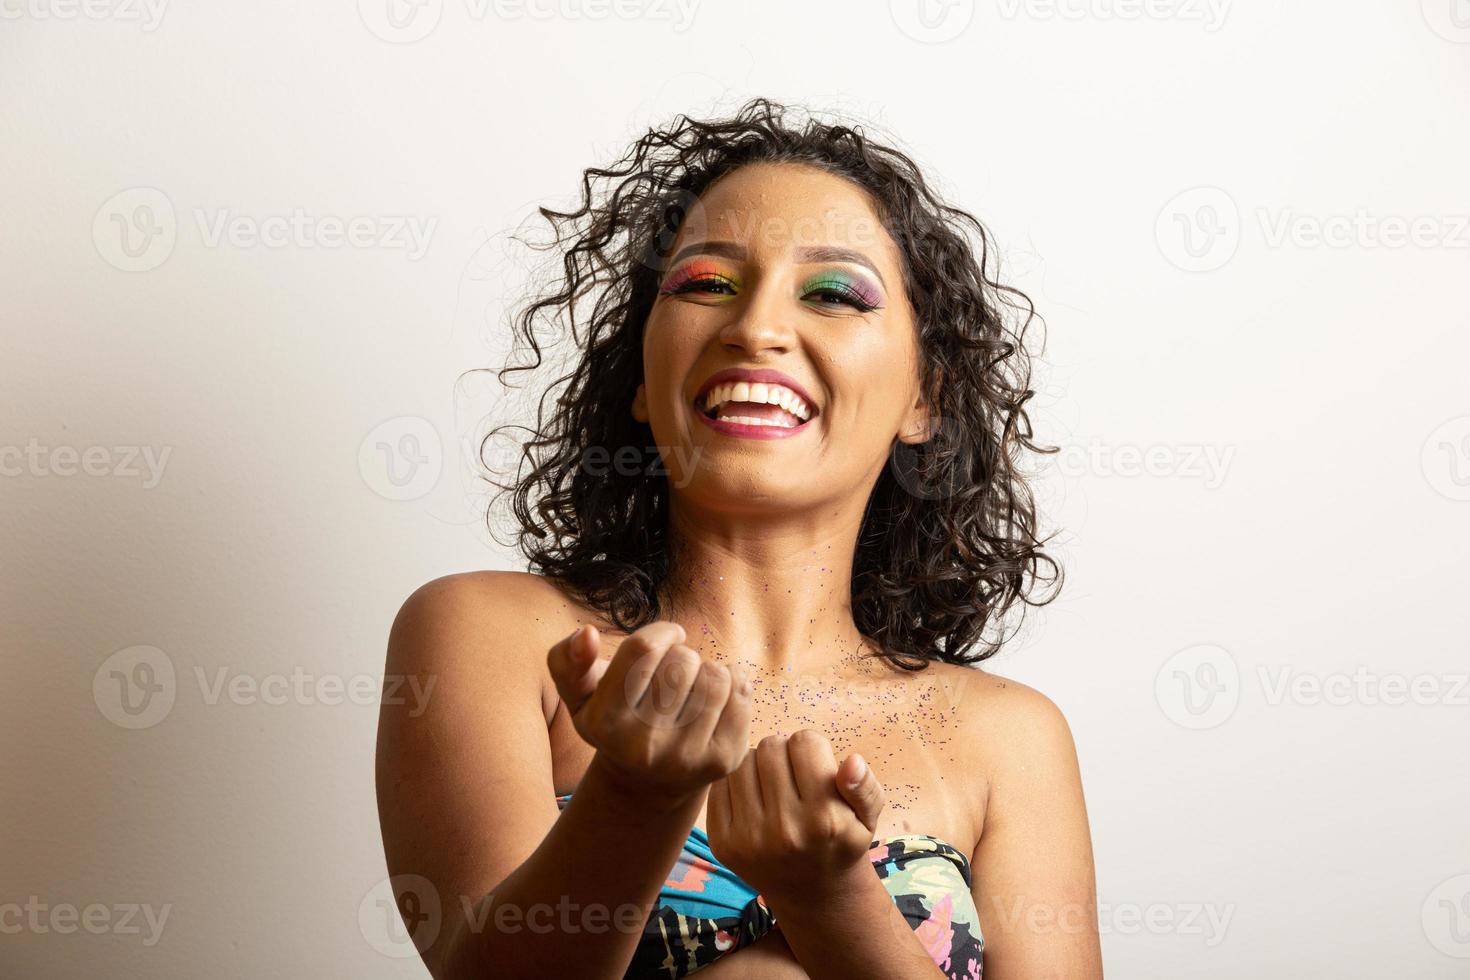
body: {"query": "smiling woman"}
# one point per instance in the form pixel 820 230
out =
pixel 731 721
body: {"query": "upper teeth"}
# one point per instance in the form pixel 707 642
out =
pixel 768 394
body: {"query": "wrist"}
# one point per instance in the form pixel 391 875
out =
pixel 853 891
pixel 617 786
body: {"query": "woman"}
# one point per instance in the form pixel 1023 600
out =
pixel 731 723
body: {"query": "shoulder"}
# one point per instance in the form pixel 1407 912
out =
pixel 1000 707
pixel 1021 740
pixel 487 626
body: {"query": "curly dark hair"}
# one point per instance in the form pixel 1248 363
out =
pixel 948 543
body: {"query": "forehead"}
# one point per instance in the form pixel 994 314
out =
pixel 773 208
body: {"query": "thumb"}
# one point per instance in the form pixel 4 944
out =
pixel 575 667
pixel 859 786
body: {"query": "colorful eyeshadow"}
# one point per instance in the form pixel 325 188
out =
pixel 853 287
pixel 699 269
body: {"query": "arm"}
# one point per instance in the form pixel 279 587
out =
pixel 466 800
pixel 853 929
pixel 797 826
pixel 1034 882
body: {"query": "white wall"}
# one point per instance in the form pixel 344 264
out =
pixel 1326 535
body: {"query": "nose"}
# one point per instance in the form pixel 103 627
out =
pixel 761 323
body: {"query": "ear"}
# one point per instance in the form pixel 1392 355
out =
pixel 919 424
pixel 640 404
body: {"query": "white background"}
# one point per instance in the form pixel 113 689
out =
pixel 1208 204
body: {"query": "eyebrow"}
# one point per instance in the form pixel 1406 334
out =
pixel 811 254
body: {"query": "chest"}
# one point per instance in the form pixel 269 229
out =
pixel 904 727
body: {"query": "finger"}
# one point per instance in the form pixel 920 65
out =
pixel 778 785
pixel 663 700
pixel 745 789
pixel 638 656
pixel 574 666
pixel 732 730
pixel 860 787
pixel 706 701
pixel 813 765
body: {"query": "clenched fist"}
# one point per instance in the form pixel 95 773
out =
pixel 662 719
pixel 790 821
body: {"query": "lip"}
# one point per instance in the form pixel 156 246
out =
pixel 753 376
pixel 743 431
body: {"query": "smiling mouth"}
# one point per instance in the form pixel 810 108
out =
pixel 756 404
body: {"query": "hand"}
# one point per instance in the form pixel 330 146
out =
pixel 663 720
pixel 791 822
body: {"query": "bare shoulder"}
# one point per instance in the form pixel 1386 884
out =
pixel 1008 727
pixel 483 623
pixel 1012 723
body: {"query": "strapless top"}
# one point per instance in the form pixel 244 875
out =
pixel 705 911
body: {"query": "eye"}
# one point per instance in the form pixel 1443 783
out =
pixel 838 294
pixel 718 285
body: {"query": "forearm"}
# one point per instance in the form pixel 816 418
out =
pixel 768 958
pixel 583 895
pixel 853 930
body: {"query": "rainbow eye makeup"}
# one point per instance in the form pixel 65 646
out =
pixel 701 275
pixel 829 288
pixel 836 285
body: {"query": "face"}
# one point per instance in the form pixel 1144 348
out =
pixel 780 357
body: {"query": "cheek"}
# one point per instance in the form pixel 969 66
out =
pixel 669 353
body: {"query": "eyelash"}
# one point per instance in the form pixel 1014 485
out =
pixel 841 290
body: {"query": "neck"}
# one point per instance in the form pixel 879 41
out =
pixel 774 595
